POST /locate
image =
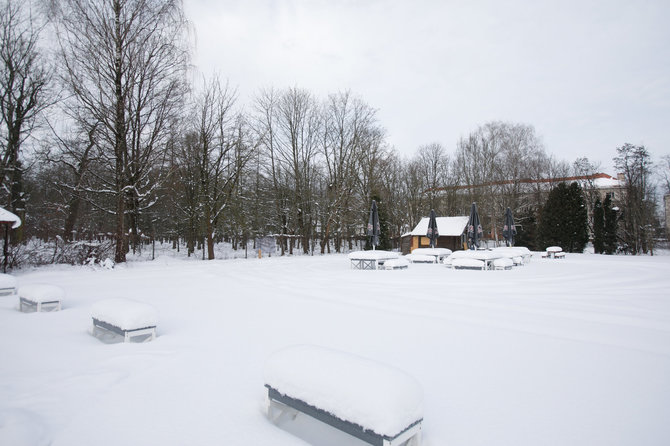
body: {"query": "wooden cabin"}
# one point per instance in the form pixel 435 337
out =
pixel 452 230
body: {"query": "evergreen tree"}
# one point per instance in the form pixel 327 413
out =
pixel 526 226
pixel 609 226
pixel 564 219
pixel 598 227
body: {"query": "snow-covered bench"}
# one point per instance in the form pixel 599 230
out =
pixel 421 258
pixel 40 297
pixel 398 263
pixel 375 403
pixel 468 263
pixel 7 285
pixel 503 263
pixel 124 317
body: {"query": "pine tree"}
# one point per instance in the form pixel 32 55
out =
pixel 563 221
pixel 527 229
pixel 609 226
pixel 598 227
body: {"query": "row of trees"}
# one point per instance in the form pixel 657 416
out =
pixel 105 137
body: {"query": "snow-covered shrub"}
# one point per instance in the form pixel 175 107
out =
pixel 36 252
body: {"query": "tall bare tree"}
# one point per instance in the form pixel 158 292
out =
pixel 23 89
pixel 222 153
pixel 124 63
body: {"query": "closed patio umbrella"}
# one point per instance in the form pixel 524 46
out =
pixel 432 233
pixel 374 229
pixel 509 230
pixel 475 231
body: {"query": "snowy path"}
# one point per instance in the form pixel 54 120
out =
pixel 575 351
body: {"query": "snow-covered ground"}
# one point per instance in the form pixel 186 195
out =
pixel 557 352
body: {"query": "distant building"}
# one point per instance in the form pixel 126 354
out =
pixel 452 232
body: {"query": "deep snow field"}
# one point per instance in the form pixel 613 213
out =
pixel 556 352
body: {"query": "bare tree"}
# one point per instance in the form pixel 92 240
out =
pixel 221 153
pixel 639 206
pixel 347 121
pixel 23 89
pixel 123 63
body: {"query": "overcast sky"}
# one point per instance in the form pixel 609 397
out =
pixel 588 75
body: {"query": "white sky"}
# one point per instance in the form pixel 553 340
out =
pixel 589 75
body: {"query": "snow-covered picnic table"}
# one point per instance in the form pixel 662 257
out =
pixel 554 252
pixel 373 259
pixel 40 296
pixel 472 259
pixel 125 317
pixel 437 254
pixel 376 403
pixel 518 254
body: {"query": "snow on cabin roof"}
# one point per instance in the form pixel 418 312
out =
pixel 449 226
pixel 8 217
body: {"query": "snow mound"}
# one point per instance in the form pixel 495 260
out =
pixel 373 395
pixel 125 313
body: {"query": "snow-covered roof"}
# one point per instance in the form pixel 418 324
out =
pixel 8 217
pixel 606 182
pixel 450 226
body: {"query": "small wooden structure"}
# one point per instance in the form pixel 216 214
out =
pixel 451 229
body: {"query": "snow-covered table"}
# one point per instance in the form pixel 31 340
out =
pixel 438 254
pixel 40 297
pixel 378 404
pixel 125 317
pixel 472 259
pixel 7 285
pixel 420 258
pixel 555 252
pixel 520 255
pixel 370 259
